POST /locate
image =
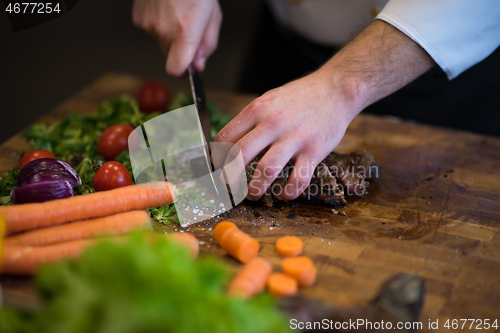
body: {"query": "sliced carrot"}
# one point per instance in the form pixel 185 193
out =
pixel 248 250
pixel 308 277
pixel 36 215
pixel 289 246
pixel 301 268
pixel 117 224
pixel 23 260
pixel 282 285
pixel 187 239
pixel 239 245
pixel 251 279
pixel 221 228
pixel 232 240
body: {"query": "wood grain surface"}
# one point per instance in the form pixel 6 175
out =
pixel 435 213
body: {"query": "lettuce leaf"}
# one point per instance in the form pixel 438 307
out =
pixel 141 287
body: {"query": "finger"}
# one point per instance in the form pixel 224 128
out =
pixel 300 177
pixel 184 46
pixel 255 141
pixel 233 169
pixel 240 125
pixel 269 167
pixel 209 41
pixel 138 9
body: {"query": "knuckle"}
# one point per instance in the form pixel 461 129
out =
pixel 313 149
pixel 184 25
pixel 274 118
pixel 160 29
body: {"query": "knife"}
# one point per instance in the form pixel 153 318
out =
pixel 200 103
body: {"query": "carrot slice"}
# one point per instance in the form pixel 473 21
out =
pixel 135 197
pixel 186 239
pixel 221 228
pixel 22 260
pixel 301 268
pixel 251 279
pixel 289 246
pixel 117 224
pixel 239 245
pixel 282 285
pixel 248 250
pixel 308 277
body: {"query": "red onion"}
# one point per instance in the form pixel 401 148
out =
pixel 46 170
pixel 42 191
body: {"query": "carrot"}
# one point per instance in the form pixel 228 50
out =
pixel 103 226
pixel 186 239
pixel 280 284
pixel 239 245
pixel 251 279
pixel 289 246
pixel 36 215
pixel 3 231
pixel 22 260
pixel 301 268
pixel 221 228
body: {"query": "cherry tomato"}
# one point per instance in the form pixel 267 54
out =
pixel 153 96
pixel 111 175
pixel 34 155
pixel 114 140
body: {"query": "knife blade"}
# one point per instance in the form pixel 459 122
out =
pixel 200 103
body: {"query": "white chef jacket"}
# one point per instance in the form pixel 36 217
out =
pixel 457 34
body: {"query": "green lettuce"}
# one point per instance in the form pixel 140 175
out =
pixel 141 287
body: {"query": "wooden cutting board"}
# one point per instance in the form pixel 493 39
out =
pixel 435 213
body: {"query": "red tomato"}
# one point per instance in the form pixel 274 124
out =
pixel 114 140
pixel 153 96
pixel 34 155
pixel 111 175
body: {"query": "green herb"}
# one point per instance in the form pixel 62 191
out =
pixel 217 119
pixel 75 137
pixel 195 198
pixel 8 182
pixel 165 214
pixel 86 171
pixel 141 286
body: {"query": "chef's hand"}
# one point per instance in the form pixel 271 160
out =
pixel 187 30
pixel 305 120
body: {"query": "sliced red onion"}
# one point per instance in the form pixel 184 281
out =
pixel 48 169
pixel 42 191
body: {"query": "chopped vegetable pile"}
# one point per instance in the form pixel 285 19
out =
pixel 75 141
pixel 141 287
